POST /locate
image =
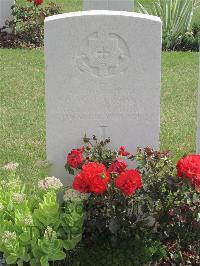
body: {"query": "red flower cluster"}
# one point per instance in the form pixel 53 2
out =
pixel 122 151
pixel 92 179
pixel 75 158
pixel 118 166
pixel 189 167
pixel 95 177
pixel 128 182
pixel 36 2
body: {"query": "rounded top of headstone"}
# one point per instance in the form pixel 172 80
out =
pixel 103 13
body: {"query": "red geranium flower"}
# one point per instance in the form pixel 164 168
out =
pixel 118 166
pixel 92 179
pixel 122 151
pixel 81 183
pixel 128 182
pixel 189 167
pixel 75 158
pixel 38 2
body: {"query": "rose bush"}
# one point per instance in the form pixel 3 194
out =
pixel 28 25
pixel 36 2
pixel 155 201
pixel 128 182
pixel 93 178
pixel 99 177
pixel 75 158
pixel 189 167
pixel 118 166
pixel 122 151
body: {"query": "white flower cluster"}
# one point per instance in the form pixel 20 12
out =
pixel 8 236
pixel 49 233
pixel 1 207
pixel 11 166
pixel 50 182
pixel 13 183
pixel 18 197
pixel 28 220
pixel 3 183
pixel 73 195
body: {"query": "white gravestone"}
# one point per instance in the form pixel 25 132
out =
pixel 198 116
pixel 5 11
pixel 102 78
pixel 120 5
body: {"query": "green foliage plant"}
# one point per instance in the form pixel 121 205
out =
pixel 114 226
pixel 35 227
pixel 171 204
pixel 190 41
pixel 176 16
pixel 28 25
pixel 165 210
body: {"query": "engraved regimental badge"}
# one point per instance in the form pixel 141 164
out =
pixel 103 54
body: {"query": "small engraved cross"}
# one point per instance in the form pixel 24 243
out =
pixel 103 53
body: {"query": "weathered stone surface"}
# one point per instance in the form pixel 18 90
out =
pixel 5 11
pixel 120 5
pixel 102 78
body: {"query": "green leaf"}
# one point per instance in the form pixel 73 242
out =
pixel 11 259
pixel 48 212
pixel 20 263
pixel 26 257
pixel 60 255
pixel 71 243
pixel 69 169
pixel 44 261
pixel 25 237
pixel 33 262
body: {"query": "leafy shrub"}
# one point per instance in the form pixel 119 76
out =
pixel 176 16
pixel 28 25
pixel 190 41
pixel 166 206
pixel 114 223
pixel 135 251
pixel 34 227
pixel 172 200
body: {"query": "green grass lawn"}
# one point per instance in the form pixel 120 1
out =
pixel 22 126
pixel 22 107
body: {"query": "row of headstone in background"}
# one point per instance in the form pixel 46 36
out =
pixel 116 5
pixel 102 78
pixel 5 11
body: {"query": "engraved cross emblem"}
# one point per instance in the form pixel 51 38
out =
pixel 104 53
